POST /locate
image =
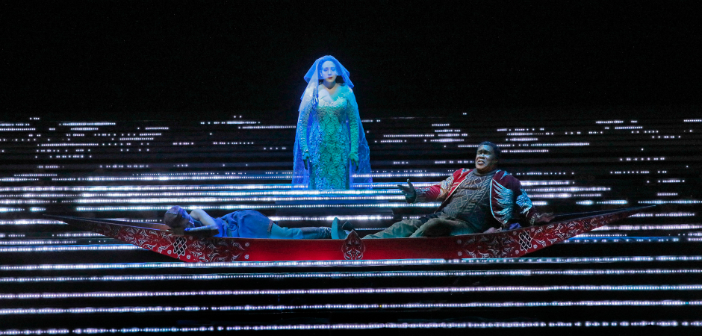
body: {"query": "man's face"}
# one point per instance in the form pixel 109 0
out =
pixel 485 160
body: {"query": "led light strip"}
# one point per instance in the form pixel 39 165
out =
pixel 308 193
pixel 354 263
pixel 99 123
pixel 36 242
pixel 72 248
pixel 664 214
pixel 4 209
pixel 18 179
pixel 365 326
pixel 173 200
pixel 346 275
pixel 462 305
pixel 149 187
pixel 671 202
pixel 331 218
pixel 353 291
pixel 180 188
pixel 265 206
pixel 649 227
pixel 620 240
pixel 30 222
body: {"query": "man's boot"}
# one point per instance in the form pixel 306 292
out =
pixel 340 232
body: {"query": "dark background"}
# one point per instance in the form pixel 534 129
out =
pixel 211 59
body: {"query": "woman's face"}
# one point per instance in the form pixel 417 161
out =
pixel 328 72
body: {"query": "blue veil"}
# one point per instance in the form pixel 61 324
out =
pixel 359 178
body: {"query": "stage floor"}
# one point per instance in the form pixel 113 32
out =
pixel 643 271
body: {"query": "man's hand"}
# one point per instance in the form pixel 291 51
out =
pixel 410 192
pixel 492 230
pixel 202 231
pixel 544 218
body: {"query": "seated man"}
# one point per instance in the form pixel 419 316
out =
pixel 238 224
pixel 473 201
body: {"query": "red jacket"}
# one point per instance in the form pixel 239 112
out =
pixel 508 201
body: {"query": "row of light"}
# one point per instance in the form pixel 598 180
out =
pixel 354 263
pixel 228 193
pixel 152 187
pixel 667 227
pixel 209 199
pixel 361 326
pixel 282 176
pixel 73 248
pixel 98 123
pixel 267 206
pixel 610 202
pixel 36 242
pixel 169 309
pixel 353 275
pixel 353 291
pixel 620 240
pixel 665 214
pixel 671 202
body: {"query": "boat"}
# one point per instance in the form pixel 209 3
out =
pixel 503 244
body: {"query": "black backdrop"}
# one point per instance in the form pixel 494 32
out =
pixel 211 59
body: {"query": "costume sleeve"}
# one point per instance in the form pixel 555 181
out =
pixel 437 192
pixel 527 211
pixel 302 127
pixel 354 121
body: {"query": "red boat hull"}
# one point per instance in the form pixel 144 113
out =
pixel 507 244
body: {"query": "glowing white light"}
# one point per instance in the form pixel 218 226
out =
pixel 269 127
pixel 351 291
pixel 29 221
pixel 4 209
pixel 671 202
pixel 347 306
pixel 428 135
pixel 264 206
pixel 36 242
pixel 355 263
pixel 227 199
pixel 99 123
pixel 352 275
pixel 16 129
pixel 109 247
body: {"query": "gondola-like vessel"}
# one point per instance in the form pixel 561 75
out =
pixel 505 244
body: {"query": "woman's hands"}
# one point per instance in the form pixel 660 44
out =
pixel 353 158
pixel 306 159
pixel 410 192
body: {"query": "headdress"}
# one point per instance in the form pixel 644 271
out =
pixel 312 79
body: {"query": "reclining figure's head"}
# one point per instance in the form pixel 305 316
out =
pixel 177 218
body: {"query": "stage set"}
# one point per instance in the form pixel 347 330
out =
pixel 343 167
pixel 77 278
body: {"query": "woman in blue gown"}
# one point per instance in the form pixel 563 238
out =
pixel 331 151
